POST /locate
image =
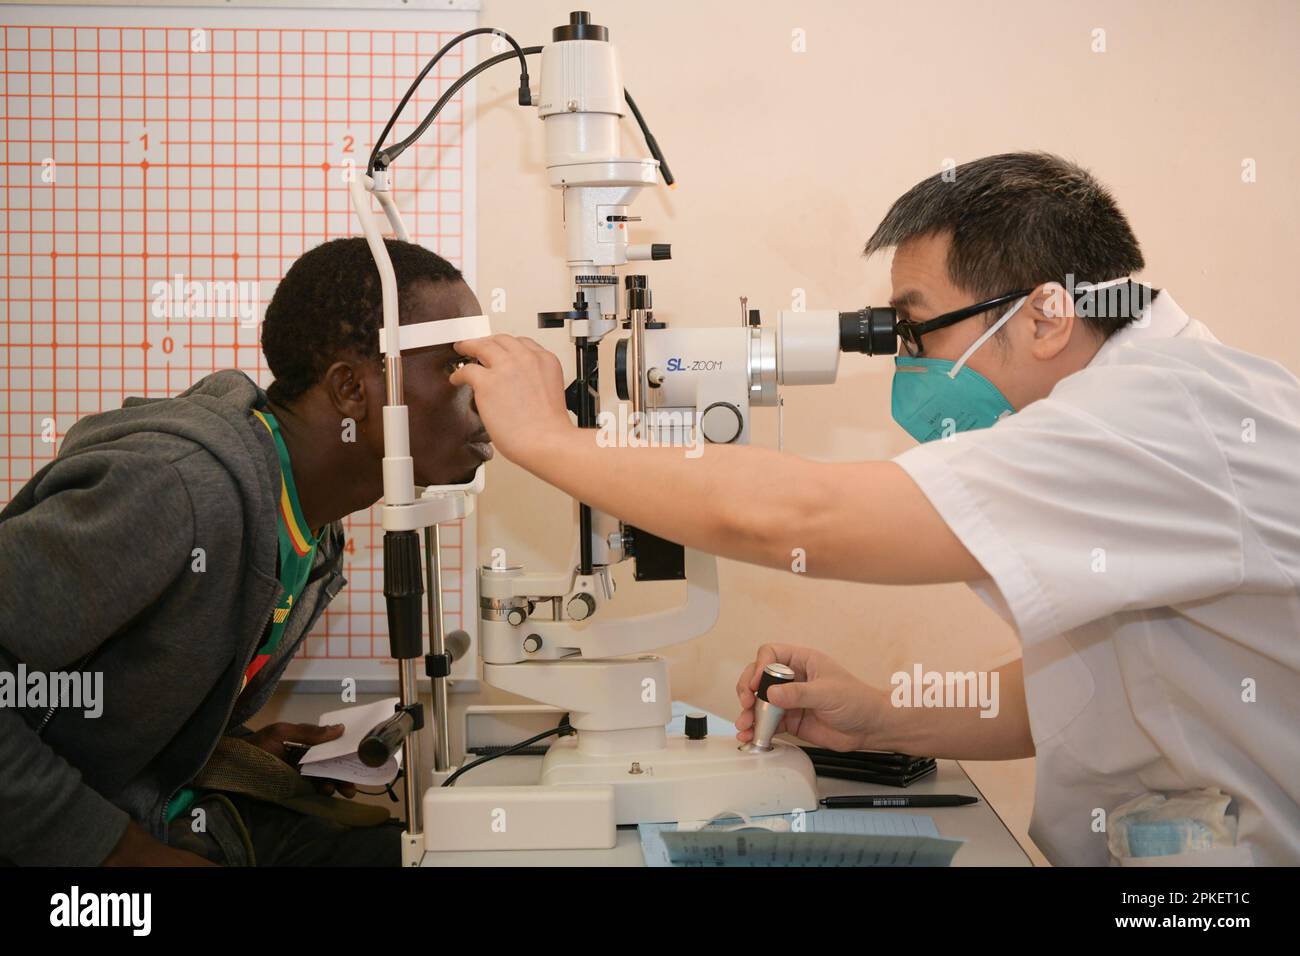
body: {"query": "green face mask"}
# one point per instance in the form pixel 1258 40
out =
pixel 934 398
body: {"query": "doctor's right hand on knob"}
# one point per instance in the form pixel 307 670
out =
pixel 824 704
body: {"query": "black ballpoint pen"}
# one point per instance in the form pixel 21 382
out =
pixel 889 800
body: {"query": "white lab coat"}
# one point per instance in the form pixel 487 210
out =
pixel 1141 529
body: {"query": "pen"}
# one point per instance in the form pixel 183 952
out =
pixel 885 800
pixel 294 751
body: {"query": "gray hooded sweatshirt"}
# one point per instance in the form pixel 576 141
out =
pixel 101 571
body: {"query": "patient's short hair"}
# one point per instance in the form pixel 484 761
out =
pixel 329 306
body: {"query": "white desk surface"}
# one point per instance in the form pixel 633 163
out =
pixel 988 842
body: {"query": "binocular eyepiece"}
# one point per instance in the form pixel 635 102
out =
pixel 871 331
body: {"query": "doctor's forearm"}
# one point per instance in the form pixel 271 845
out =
pixel 859 521
pixel 737 502
pixel 962 733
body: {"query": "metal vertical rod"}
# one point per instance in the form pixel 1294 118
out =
pixel 636 363
pixel 437 646
pixel 408 691
pixel 585 360
pixel 393 378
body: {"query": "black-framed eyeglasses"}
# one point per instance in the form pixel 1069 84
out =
pixel 910 332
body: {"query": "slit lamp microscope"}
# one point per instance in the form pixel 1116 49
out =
pixel 548 636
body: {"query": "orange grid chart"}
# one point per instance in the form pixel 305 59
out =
pixel 147 148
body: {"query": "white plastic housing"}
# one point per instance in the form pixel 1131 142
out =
pixel 580 76
pixel 808 347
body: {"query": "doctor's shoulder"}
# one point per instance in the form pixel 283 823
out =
pixel 1189 380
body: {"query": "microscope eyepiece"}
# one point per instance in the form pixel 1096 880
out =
pixel 872 331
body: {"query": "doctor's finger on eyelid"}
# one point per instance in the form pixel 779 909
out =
pixel 468 374
pixel 507 342
pixel 484 349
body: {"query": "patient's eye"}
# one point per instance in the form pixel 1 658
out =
pixel 459 362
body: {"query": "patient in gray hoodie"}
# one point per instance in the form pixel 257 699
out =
pixel 180 549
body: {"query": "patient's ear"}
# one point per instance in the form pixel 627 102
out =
pixel 1052 311
pixel 350 389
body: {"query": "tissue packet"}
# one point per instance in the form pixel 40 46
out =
pixel 1155 825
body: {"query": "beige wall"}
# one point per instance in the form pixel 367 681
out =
pixel 785 163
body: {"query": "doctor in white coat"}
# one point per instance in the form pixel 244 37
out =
pixel 1120 486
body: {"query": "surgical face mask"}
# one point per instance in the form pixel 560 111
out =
pixel 934 398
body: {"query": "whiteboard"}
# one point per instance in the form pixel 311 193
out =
pixel 211 143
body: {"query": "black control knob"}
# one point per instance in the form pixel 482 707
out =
pixel 773 674
pixel 697 726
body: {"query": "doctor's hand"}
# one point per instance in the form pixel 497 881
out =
pixel 518 391
pixel 824 705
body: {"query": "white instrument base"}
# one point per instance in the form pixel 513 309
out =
pixel 689 779
pixel 519 818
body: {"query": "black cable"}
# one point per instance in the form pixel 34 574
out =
pixel 387 789
pixel 388 155
pixel 563 729
pixel 525 96
pixel 396 150
pixel 651 143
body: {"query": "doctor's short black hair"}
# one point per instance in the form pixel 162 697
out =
pixel 1018 220
pixel 329 305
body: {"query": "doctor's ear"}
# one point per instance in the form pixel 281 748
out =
pixel 1052 311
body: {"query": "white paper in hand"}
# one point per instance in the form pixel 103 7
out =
pixel 338 760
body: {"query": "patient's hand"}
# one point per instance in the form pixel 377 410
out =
pixel 825 705
pixel 138 848
pixel 273 740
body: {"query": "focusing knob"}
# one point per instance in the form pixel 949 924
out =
pixel 722 423
pixel 581 606
pixel 620 369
